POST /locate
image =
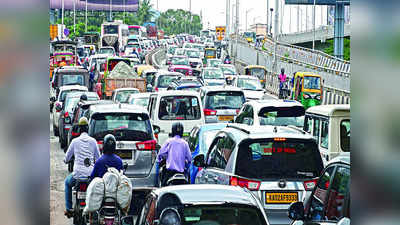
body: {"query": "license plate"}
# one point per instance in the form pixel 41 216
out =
pixel 124 154
pixel 280 197
pixel 81 195
pixel 225 118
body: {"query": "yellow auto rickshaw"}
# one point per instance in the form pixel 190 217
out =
pixel 141 68
pixel 209 53
pixel 307 89
pixel 258 71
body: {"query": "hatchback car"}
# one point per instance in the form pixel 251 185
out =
pixel 199 141
pixel 185 85
pixel 163 79
pixel 251 87
pixel 272 112
pixel 122 94
pixel 212 76
pixel 221 104
pixel 279 164
pixel 139 99
pixel 229 71
pixel 202 205
pixel 194 57
pixel 329 204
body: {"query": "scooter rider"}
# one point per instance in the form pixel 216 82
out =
pixel 282 80
pixel 85 151
pixel 177 153
pixel 108 159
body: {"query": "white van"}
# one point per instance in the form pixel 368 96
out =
pixel 330 126
pixel 167 107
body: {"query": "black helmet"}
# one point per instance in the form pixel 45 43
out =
pixel 83 97
pixel 282 70
pixel 109 144
pixel 177 129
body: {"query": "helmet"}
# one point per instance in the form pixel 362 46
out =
pixel 282 70
pixel 83 97
pixel 109 143
pixel 91 47
pixel 83 121
pixel 177 129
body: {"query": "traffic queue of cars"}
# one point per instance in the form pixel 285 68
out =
pixel 255 161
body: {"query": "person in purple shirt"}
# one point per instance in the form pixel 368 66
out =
pixel 177 153
pixel 108 159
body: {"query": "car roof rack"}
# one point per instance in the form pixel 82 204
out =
pixel 238 128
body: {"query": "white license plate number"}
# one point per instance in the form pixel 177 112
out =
pixel 81 195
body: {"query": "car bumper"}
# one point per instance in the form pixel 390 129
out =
pixel 277 217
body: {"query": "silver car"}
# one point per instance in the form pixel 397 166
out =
pixel 279 165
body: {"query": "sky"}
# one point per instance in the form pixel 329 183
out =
pixel 213 12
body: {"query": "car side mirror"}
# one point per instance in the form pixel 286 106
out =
pixel 199 161
pixel 58 107
pixel 127 220
pixel 156 129
pixel 169 216
pixel 296 211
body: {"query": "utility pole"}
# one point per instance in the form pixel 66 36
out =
pixel 270 26
pixel 298 18
pixel 306 17
pixel 227 11
pixel 85 16
pixel 276 31
pixel 74 18
pixel 247 11
pixel 62 13
pixel 110 10
pixel 313 41
pixel 237 29
pixel 290 19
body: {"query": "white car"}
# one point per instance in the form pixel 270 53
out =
pixel 168 107
pixel 139 99
pixel 122 94
pixel 250 85
pixel 64 90
pixel 110 51
pixel 274 112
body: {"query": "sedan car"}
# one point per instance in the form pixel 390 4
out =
pixel 251 87
pixel 278 164
pixel 212 76
pixel 202 205
pixel 329 204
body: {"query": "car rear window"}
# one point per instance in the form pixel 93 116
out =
pixel 282 116
pixel 70 79
pixel 278 158
pixel 165 80
pixel 225 100
pixel 122 96
pixel 179 108
pixel 223 215
pixel 124 126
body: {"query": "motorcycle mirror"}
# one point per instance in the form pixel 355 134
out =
pixel 170 216
pixel 125 166
pixel 127 220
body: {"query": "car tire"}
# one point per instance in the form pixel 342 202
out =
pixel 55 131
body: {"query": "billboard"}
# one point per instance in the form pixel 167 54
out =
pixel 317 2
pixel 101 5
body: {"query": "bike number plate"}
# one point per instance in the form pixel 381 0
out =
pixel 81 195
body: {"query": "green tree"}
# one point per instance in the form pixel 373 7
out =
pixel 346 51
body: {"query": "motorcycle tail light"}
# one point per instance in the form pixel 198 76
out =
pixel 83 186
pixel 100 145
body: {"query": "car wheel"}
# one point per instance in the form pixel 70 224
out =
pixel 55 131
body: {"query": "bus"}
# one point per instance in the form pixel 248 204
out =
pixel 137 30
pixel 114 34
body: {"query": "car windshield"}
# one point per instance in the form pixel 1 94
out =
pixel 140 101
pixel 278 158
pixel 132 45
pixel 179 52
pixel 124 126
pixel 210 52
pixel 165 80
pixel 110 29
pixel 199 47
pixel 227 70
pixel 259 72
pixel 224 214
pixel 122 96
pixel 171 50
pixel 106 51
pixel 179 108
pixel 68 79
pixel 213 74
pixel 214 63
pixel 63 94
pixel 193 54
pixel 312 82
pixel 282 116
pixel 71 102
pixel 180 61
pixel 249 84
pixel 225 100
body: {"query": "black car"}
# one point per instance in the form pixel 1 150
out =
pixel 191 204
pixel 329 202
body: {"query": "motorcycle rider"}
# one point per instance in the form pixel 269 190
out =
pixel 282 80
pixel 177 153
pixel 85 151
pixel 108 159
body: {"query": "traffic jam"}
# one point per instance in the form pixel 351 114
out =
pixel 170 131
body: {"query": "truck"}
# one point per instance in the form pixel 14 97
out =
pixel 151 29
pixel 259 29
pixel 118 75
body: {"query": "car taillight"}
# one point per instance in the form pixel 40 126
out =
pixel 74 134
pixel 82 203
pixel 83 187
pixel 252 185
pixel 146 145
pixel 156 89
pixel 139 50
pixel 309 185
pixel 100 145
pixel 237 111
pixel 210 112
pixel 66 114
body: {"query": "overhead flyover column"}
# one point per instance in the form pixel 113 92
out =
pixel 339 30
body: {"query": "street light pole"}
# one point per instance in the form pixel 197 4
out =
pixel 86 16
pixel 62 12
pixel 313 41
pixel 237 29
pixel 276 31
pixel 247 11
pixel 270 27
pixel 74 18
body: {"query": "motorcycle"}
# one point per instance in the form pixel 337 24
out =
pixel 176 179
pixel 284 93
pixel 79 200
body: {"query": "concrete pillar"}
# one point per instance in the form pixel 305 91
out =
pixel 339 30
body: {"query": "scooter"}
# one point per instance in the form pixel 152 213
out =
pixel 176 179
